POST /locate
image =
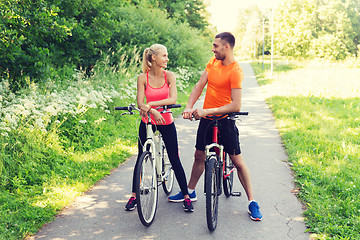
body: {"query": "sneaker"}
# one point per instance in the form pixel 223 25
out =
pixel 131 204
pixel 254 211
pixel 188 207
pixel 180 197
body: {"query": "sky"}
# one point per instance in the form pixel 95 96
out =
pixel 224 13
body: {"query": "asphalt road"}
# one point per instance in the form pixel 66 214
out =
pixel 99 214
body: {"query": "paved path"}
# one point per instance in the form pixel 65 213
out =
pixel 100 214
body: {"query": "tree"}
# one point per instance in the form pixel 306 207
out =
pixel 249 31
pixel 324 28
pixel 191 11
pixel 30 30
pixel 39 38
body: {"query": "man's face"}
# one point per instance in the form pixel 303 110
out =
pixel 219 49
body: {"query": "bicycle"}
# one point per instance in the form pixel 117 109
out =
pixel 218 166
pixel 154 168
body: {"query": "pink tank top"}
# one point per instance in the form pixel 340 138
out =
pixel 157 94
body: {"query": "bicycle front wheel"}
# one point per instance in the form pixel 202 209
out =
pixel 168 173
pixel 229 179
pixel 146 189
pixel 212 182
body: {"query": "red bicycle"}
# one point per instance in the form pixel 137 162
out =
pixel 218 166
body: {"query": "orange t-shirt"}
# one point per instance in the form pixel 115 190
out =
pixel 221 79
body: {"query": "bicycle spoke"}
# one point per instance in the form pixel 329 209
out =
pixel 146 193
pixel 211 190
pixel 168 173
pixel 228 171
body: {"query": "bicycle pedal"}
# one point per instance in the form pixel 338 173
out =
pixel 144 192
pixel 236 194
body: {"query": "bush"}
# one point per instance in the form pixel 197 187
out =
pixel 57 141
pixel 328 47
pixel 45 38
pixel 139 26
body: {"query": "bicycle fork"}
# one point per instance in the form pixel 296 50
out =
pixel 151 146
pixel 219 149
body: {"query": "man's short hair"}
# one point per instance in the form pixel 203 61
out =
pixel 227 37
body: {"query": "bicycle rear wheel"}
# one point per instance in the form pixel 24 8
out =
pixel 228 181
pixel 168 173
pixel 146 189
pixel 212 183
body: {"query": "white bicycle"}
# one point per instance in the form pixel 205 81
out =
pixel 154 168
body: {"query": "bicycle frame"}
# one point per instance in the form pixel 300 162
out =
pixel 155 143
pixel 219 150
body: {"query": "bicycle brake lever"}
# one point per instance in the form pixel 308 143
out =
pixel 127 113
pixel 166 111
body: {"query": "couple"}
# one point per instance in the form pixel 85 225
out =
pixel 224 76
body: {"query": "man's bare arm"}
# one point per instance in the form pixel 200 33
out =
pixel 195 94
pixel 234 106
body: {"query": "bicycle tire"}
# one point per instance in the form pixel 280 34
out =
pixel 228 181
pixel 168 173
pixel 211 191
pixel 146 189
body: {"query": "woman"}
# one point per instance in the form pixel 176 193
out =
pixel 159 88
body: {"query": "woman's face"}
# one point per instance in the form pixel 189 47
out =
pixel 161 58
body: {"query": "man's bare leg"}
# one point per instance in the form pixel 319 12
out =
pixel 197 169
pixel 243 174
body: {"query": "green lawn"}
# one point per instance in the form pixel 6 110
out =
pixel 317 111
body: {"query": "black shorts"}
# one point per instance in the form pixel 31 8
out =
pixel 228 137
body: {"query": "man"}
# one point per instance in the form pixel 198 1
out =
pixel 223 75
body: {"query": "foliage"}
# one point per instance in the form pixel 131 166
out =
pixel 57 141
pixel 42 39
pixel 248 32
pixel 136 28
pixel 319 125
pixel 325 29
pixel 29 34
pixel 302 29
pixel 191 12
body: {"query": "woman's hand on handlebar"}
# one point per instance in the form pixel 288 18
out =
pixel 159 119
pixel 144 109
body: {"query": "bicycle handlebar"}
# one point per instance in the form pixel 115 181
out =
pixel 121 108
pixel 132 107
pixel 169 106
pixel 230 115
pixel 239 113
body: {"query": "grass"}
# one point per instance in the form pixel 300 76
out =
pixel 317 111
pixel 58 140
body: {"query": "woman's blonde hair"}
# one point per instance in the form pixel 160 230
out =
pixel 148 52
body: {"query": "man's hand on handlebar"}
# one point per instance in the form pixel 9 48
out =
pixel 188 113
pixel 200 113
pixel 192 114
